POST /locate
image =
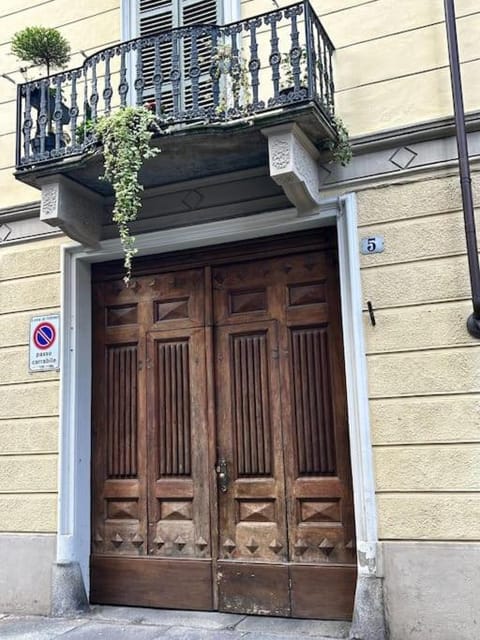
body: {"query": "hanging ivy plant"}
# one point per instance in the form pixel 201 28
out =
pixel 126 135
pixel 341 148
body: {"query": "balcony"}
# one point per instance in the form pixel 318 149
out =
pixel 215 91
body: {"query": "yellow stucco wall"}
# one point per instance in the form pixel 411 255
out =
pixel 423 367
pixel 87 25
pixel 391 61
pixel 391 67
pixel 29 285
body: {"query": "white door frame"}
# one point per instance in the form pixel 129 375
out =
pixel 73 541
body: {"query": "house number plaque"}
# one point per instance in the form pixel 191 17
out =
pixel 372 244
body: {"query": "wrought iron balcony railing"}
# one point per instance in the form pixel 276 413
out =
pixel 198 74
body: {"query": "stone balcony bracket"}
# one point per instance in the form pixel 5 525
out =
pixel 293 161
pixel 72 208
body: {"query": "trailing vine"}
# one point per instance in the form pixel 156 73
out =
pixel 341 147
pixel 125 135
pixel 232 72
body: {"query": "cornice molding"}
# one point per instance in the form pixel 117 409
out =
pixel 23 211
pixel 420 132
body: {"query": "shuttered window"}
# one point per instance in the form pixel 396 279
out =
pixel 156 16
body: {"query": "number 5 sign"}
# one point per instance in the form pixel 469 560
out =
pixel 372 244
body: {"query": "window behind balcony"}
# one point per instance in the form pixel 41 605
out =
pixel 157 16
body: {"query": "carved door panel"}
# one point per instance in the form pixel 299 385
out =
pixel 151 540
pixel 179 522
pixel 253 534
pixel 119 453
pixel 318 484
pixel 296 297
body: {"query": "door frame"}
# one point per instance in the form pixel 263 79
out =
pixel 74 484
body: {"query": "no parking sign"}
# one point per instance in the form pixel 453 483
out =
pixel 44 343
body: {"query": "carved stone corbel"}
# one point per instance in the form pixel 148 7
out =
pixel 73 208
pixel 293 163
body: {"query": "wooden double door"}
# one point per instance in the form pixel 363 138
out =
pixel 221 475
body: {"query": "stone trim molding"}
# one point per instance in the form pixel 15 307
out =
pixel 20 212
pixel 75 401
pixel 21 223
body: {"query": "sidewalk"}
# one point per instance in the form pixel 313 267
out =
pixel 125 623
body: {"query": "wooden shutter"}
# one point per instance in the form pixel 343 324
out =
pixel 156 16
pixel 194 13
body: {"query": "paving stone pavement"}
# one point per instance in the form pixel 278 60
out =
pixel 133 623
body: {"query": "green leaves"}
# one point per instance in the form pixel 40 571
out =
pixel 126 136
pixel 341 148
pixel 42 46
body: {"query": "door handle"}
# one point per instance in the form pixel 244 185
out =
pixel 222 474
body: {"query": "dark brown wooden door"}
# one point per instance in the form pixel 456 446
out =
pixel 151 509
pixel 221 466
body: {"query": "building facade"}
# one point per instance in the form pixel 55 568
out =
pixel 266 417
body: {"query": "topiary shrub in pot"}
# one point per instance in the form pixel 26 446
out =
pixel 45 47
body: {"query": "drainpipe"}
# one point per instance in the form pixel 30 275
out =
pixel 473 321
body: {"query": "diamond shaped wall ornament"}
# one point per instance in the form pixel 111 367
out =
pixel 300 547
pixel 117 540
pixel 179 542
pixel 159 542
pixel 252 545
pixel 5 231
pixel 229 545
pixel 403 157
pixel 137 540
pixel 98 539
pixel 201 544
pixel 275 546
pixel 192 199
pixel 326 547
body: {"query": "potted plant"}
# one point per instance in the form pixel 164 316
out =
pixel 43 46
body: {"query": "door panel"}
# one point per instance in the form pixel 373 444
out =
pixel 151 582
pixel 179 508
pixel 150 444
pixel 320 515
pixel 324 592
pixel 119 501
pixel 299 295
pixel 252 509
pixel 254 588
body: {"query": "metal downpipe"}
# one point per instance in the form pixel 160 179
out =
pixel 473 321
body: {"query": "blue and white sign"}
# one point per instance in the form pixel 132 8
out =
pixel 44 343
pixel 372 244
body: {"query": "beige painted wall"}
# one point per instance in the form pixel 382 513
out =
pixel 423 367
pixel 390 64
pixel 29 285
pixel 391 61
pixel 88 26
